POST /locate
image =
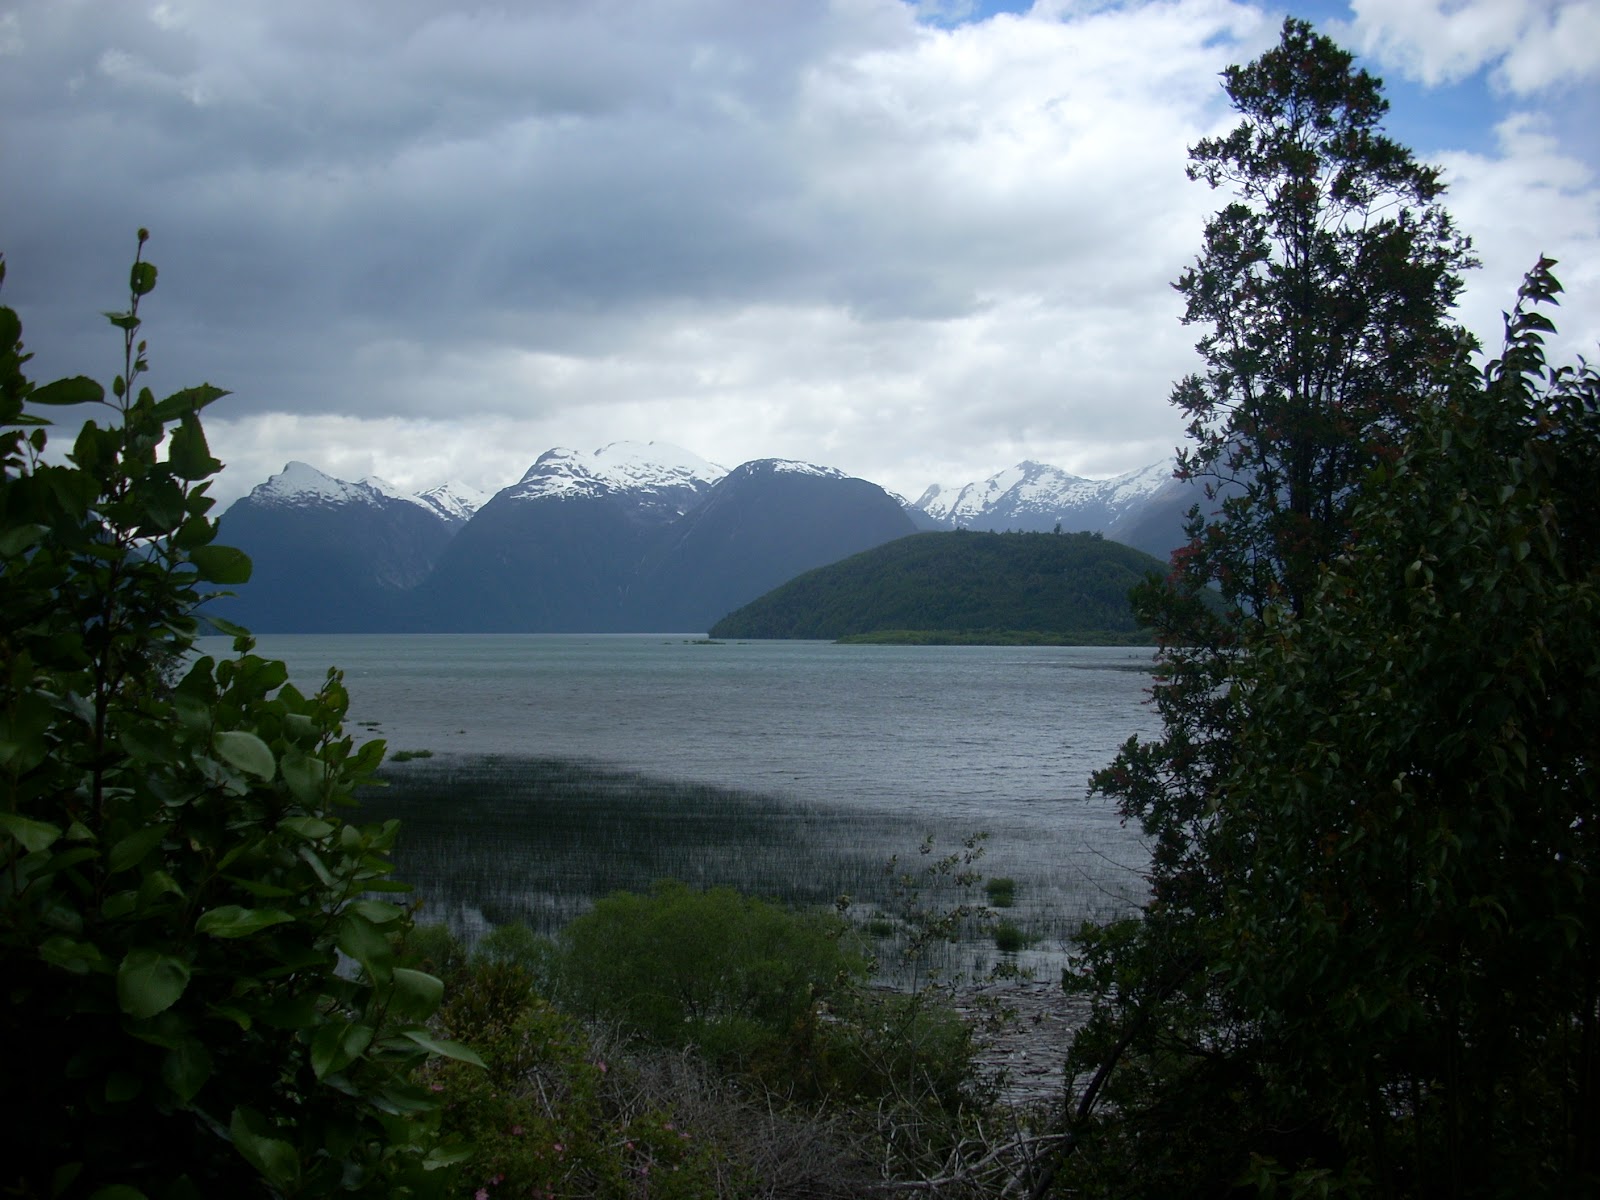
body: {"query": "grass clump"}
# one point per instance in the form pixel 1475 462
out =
pixel 1009 937
pixel 1002 892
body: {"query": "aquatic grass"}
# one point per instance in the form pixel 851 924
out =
pixel 492 840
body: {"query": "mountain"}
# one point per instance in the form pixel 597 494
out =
pixel 765 522
pixel 560 549
pixel 335 557
pixel 1143 508
pixel 629 537
pixel 1074 585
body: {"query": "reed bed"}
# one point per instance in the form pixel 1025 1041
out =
pixel 492 840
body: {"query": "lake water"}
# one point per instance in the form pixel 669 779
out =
pixel 920 739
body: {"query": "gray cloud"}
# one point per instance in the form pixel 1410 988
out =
pixel 426 240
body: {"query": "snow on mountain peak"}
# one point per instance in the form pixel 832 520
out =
pixel 301 483
pixel 453 500
pixel 1033 492
pixel 618 467
pixel 793 466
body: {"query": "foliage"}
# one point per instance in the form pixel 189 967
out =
pixel 1412 819
pixel 1073 587
pixel 1370 801
pixel 177 876
pixel 730 974
pixel 566 1109
pixel 1326 287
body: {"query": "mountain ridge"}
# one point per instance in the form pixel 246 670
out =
pixel 631 536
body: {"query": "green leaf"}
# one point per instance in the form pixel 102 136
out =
pixel 186 1068
pixel 79 389
pixel 446 1156
pixel 78 958
pixel 273 1157
pixel 130 851
pixel 245 751
pixel 189 400
pixel 313 829
pixel 149 982
pixel 227 628
pixel 188 453
pixel 306 776
pixel 444 1046
pixel 34 835
pixel 142 278
pixel 379 912
pixel 417 995
pixel 337 1044
pixel 234 921
pixel 19 539
pixel 367 944
pixel 221 564
pixel 118 1191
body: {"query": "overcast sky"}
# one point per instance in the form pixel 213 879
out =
pixel 920 242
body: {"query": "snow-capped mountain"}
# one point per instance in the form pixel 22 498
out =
pixel 632 536
pixel 651 473
pixel 334 556
pixel 1035 496
pixel 455 502
pixel 300 484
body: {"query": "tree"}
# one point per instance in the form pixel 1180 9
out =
pixel 177 874
pixel 1325 287
pixel 1412 818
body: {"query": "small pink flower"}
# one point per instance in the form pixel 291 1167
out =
pixel 516 1131
pixel 481 1194
pixel 437 1087
pixel 602 1067
pixel 560 1149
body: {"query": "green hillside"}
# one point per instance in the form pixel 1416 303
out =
pixel 984 586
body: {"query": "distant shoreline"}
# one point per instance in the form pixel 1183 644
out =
pixel 996 637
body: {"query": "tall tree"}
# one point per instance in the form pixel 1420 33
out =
pixel 1324 288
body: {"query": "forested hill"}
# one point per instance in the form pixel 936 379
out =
pixel 1071 585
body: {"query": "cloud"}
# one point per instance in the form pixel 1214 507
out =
pixel 1532 45
pixel 1529 200
pixel 416 236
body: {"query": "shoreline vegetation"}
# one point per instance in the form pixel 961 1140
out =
pixel 997 637
pixel 492 840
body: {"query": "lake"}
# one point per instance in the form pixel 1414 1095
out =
pixel 856 752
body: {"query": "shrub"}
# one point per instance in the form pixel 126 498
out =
pixel 177 874
pixel 730 974
pixel 1009 937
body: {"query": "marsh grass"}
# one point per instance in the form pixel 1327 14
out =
pixel 488 841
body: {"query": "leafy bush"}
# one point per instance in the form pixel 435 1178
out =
pixel 1009 937
pixel 177 876
pixel 730 974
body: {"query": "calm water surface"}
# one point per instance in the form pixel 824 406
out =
pixel 953 738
